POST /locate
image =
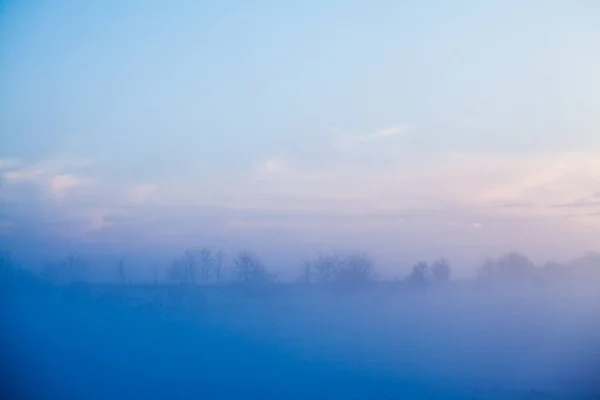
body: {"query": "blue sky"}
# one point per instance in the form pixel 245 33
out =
pixel 409 129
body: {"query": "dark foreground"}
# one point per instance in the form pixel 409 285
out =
pixel 69 344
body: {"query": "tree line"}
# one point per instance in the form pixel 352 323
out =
pixel 352 270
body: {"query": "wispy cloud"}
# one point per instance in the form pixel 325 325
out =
pixel 29 174
pixel 581 203
pixel 387 132
pixel 272 166
pixel 345 139
pixel 141 193
pixel 97 218
pixel 69 191
pixel 521 204
pixel 52 176
pixel 62 183
pixel 445 194
pixel 6 163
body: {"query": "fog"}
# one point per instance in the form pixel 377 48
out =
pixel 220 328
pixel 323 155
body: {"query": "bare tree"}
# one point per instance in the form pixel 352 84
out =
pixel 350 271
pixel 205 263
pixel 249 269
pixel 326 266
pixel 184 270
pixel 178 272
pixel 190 264
pixel 354 270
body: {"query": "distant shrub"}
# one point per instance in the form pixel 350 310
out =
pixel 509 268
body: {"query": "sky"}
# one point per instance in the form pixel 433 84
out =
pixel 410 130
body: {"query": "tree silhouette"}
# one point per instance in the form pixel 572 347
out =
pixel 190 264
pixel 348 271
pixel 418 277
pixel 219 258
pixel 249 269
pixel 354 270
pixel 178 272
pixel 440 271
pixel 511 267
pixel 326 266
pixel 184 269
pixel 205 264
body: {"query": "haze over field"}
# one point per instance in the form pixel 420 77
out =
pixel 517 332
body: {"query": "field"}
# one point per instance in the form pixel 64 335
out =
pixel 297 342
